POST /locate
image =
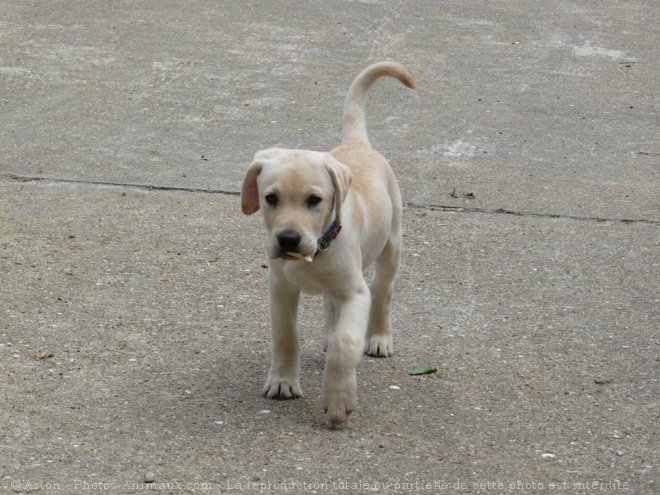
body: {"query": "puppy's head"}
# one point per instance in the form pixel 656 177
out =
pixel 299 193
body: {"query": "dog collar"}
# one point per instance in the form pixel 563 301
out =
pixel 329 236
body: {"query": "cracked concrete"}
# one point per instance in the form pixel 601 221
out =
pixel 134 339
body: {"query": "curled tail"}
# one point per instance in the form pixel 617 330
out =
pixel 355 127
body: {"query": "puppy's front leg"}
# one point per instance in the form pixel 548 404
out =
pixel 330 320
pixel 344 348
pixel 284 378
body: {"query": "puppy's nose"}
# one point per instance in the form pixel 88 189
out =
pixel 288 240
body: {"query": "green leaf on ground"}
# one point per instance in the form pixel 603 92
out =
pixel 422 370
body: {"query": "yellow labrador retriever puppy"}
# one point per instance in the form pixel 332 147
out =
pixel 328 217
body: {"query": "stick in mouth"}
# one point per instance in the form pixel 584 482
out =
pixel 299 256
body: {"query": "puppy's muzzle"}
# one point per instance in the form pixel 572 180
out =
pixel 289 240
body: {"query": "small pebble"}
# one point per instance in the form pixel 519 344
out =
pixel 395 387
pixel 620 452
pixel 382 445
pixel 548 455
pixel 264 411
pixel 149 477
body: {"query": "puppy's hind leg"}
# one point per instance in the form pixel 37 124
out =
pixel 284 378
pixel 379 340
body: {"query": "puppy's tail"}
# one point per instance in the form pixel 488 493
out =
pixel 355 127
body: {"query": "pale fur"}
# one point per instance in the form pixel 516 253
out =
pixel 357 186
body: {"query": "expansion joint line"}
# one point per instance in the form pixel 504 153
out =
pixel 504 211
pixel 144 187
pixel 410 205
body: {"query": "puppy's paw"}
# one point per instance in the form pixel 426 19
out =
pixel 338 403
pixel 281 388
pixel 338 409
pixel 379 345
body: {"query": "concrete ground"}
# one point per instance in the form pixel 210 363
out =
pixel 134 340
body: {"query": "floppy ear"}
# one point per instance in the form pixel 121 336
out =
pixel 341 178
pixel 250 190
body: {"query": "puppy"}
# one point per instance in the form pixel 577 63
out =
pixel 328 217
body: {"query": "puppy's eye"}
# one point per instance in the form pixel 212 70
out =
pixel 313 200
pixel 271 199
